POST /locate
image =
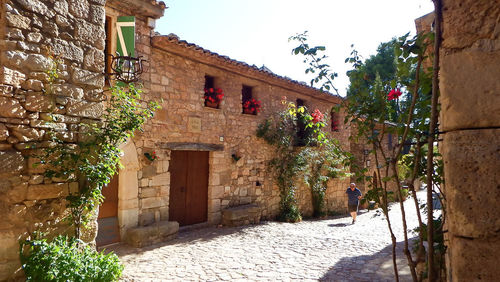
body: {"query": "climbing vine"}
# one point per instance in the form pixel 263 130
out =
pixel 325 162
pixel 94 160
pixel 316 157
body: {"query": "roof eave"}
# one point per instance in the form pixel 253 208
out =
pixel 194 52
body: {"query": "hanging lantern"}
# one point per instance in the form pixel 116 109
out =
pixel 126 69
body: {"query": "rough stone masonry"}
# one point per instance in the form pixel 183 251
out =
pixel 30 31
pixel 470 119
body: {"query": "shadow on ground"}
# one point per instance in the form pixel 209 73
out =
pixel 193 235
pixel 375 267
pixel 189 236
pixel 338 225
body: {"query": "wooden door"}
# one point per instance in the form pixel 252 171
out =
pixel 188 187
pixel 108 230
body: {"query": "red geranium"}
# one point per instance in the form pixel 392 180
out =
pixel 252 105
pixel 394 94
pixel 317 116
pixel 213 95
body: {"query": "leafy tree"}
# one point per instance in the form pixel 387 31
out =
pixel 390 86
pixel 382 64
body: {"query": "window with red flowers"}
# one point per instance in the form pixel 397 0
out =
pixel 249 104
pixel 213 96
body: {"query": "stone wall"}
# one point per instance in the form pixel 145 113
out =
pixel 30 28
pixel 470 118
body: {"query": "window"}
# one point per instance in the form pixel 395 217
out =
pixel 335 123
pixel 299 103
pixel 246 93
pixel 246 97
pixel 209 82
pixel 212 96
pixel 301 124
pixel 304 134
pixel 249 104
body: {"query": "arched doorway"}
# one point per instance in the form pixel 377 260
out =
pixel 107 220
pixel 120 209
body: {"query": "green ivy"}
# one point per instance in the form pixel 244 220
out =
pixel 324 162
pixel 318 159
pixel 94 160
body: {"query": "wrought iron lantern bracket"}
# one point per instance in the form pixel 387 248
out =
pixel 126 69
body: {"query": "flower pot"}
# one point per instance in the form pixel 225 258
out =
pixel 209 104
pixel 248 112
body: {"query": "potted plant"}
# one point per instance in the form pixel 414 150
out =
pixel 151 156
pixel 251 106
pixel 213 97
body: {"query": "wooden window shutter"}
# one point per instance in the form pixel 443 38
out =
pixel 125 29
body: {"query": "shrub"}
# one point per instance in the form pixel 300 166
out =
pixel 67 259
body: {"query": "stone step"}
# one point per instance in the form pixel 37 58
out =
pixel 142 236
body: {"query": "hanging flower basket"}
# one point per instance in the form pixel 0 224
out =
pixel 213 97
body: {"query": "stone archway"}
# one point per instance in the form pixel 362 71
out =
pixel 128 189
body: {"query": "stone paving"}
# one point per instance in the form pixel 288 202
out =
pixel 327 250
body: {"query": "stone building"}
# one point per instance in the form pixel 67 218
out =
pixel 28 28
pixel 208 159
pixel 223 138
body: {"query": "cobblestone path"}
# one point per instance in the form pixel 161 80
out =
pixel 327 250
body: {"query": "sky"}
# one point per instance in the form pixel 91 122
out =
pixel 257 31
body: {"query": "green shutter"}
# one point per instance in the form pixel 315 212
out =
pixel 125 29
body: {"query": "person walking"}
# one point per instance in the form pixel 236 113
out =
pixel 353 197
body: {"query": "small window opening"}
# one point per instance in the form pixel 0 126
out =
pixel 335 123
pixel 209 82
pixel 246 96
pixel 210 96
pixel 303 133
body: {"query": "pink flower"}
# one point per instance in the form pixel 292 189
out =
pixel 317 116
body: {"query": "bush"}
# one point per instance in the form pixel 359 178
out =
pixel 67 259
